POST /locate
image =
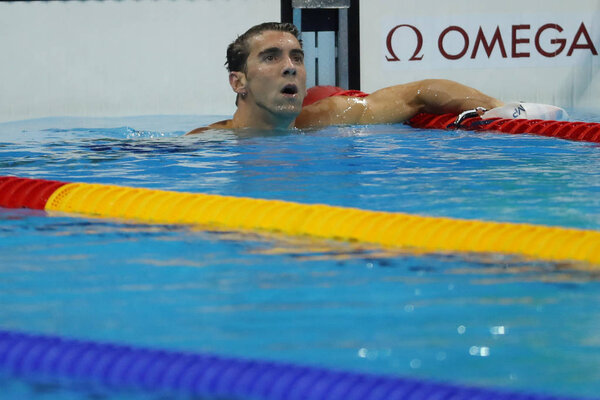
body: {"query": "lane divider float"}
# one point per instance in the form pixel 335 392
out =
pixel 389 229
pixel 115 368
pixel 570 130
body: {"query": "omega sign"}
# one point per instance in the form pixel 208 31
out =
pixel 454 42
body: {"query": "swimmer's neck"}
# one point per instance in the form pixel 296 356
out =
pixel 261 119
pixel 232 124
pixel 243 118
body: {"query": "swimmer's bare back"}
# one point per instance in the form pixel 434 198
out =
pixel 225 124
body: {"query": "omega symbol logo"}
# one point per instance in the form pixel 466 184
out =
pixel 415 56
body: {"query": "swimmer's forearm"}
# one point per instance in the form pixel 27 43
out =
pixel 437 96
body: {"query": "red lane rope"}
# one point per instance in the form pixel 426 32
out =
pixel 580 131
pixel 26 193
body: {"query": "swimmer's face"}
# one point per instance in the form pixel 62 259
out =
pixel 275 77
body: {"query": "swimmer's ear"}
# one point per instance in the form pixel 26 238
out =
pixel 237 80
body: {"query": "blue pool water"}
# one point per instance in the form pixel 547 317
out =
pixel 492 321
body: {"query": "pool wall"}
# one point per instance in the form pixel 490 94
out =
pixel 116 58
pixel 538 51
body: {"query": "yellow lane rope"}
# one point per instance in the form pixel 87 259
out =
pixel 383 228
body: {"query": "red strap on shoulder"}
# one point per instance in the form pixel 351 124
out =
pixel 317 93
pixel 352 93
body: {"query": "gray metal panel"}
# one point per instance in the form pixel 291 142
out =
pixel 320 3
pixel 297 18
pixel 310 54
pixel 342 49
pixel 326 58
pixel 326 64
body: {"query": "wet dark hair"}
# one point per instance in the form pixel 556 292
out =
pixel 238 51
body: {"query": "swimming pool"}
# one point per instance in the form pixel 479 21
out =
pixel 494 321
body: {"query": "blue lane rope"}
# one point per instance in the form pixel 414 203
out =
pixel 119 368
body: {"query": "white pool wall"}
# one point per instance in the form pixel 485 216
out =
pixel 114 58
pixel 524 74
pixel 149 57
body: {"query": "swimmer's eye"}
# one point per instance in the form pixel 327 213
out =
pixel 269 58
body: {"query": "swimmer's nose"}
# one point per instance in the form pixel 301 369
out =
pixel 290 68
pixel 289 71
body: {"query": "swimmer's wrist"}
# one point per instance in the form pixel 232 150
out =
pixel 474 113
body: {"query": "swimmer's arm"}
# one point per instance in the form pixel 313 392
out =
pixel 336 110
pixel 395 104
pixel 436 96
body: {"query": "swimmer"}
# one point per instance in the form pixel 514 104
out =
pixel 267 73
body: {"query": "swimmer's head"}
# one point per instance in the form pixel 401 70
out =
pixel 238 51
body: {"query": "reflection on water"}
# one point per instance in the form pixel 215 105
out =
pixel 478 319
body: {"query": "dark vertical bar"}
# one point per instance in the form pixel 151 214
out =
pixel 319 19
pixel 354 45
pixel 286 11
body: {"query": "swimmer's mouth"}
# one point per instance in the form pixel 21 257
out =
pixel 290 90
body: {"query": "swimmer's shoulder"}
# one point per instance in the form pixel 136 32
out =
pixel 225 124
pixel 332 110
